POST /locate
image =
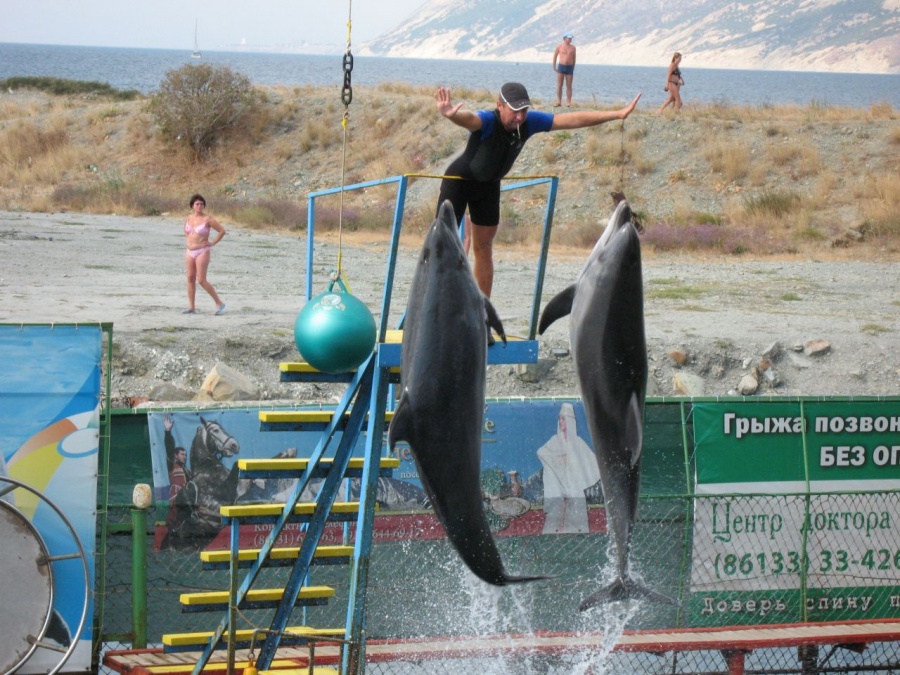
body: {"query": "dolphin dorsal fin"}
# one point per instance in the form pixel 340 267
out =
pixel 634 429
pixel 558 307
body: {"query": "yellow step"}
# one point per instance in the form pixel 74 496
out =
pixel 246 635
pixel 307 369
pixel 300 464
pixel 279 667
pixel 275 510
pixel 307 416
pixel 391 337
pixel 224 555
pixel 261 595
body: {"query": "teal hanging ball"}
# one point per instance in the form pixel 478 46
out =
pixel 335 332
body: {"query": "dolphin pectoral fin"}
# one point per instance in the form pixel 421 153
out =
pixel 634 429
pixel 558 307
pixel 401 425
pixel 493 319
pixel 624 588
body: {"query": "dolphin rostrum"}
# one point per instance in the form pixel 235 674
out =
pixel 606 332
pixel 441 406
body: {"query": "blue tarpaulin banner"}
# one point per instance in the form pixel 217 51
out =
pixel 538 471
pixel 49 440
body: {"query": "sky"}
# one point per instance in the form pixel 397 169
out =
pixel 169 24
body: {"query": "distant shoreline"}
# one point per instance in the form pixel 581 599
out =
pixel 337 51
pixel 143 69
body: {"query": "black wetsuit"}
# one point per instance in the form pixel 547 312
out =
pixel 489 155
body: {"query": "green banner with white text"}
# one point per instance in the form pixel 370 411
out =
pixel 797 511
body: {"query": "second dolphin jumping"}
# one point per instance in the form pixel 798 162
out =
pixel 606 333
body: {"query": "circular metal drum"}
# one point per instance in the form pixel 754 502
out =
pixel 26 593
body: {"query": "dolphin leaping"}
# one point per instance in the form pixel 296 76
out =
pixel 606 332
pixel 441 406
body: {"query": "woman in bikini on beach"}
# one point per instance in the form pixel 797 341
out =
pixel 196 257
pixel 674 83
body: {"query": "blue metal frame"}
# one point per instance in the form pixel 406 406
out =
pixel 403 182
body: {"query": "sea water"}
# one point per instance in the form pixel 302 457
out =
pixel 144 69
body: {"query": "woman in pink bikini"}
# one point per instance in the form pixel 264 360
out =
pixel 196 258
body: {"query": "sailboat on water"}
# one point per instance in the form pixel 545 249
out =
pixel 196 53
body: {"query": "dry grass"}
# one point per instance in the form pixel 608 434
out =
pixel 815 111
pixel 606 147
pixel 717 177
pixel 36 152
pixel 880 204
pixel 732 160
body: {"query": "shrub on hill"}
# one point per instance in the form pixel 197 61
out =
pixel 199 103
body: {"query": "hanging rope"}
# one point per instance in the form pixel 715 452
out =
pixel 619 193
pixel 346 99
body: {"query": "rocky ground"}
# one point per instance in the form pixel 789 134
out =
pixel 797 327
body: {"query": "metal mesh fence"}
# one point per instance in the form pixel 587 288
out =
pixel 419 589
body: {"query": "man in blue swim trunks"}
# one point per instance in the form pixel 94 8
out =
pixel 495 140
pixel 564 65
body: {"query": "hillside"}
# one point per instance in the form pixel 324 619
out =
pixel 772 181
pixel 835 36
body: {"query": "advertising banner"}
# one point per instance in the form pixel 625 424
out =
pixel 797 513
pixel 49 440
pixel 539 474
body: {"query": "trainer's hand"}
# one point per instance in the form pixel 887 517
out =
pixel 627 110
pixel 444 104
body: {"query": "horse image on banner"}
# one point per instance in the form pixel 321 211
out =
pixel 195 471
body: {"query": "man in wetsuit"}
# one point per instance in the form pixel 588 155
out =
pixel 564 65
pixel 496 138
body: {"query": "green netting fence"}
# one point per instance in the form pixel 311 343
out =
pixel 827 552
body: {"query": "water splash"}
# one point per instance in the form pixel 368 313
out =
pixel 498 611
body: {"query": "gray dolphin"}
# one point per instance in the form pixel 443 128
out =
pixel 441 406
pixel 609 349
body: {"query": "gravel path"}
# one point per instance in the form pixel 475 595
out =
pixel 724 313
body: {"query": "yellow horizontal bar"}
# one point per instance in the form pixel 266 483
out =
pixel 302 509
pixel 258 595
pixel 300 464
pixel 391 337
pixel 307 416
pixel 223 556
pixel 244 635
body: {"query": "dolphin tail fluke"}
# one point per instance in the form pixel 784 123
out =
pixel 624 588
pixel 558 307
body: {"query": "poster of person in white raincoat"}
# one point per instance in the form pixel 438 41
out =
pixel 570 468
